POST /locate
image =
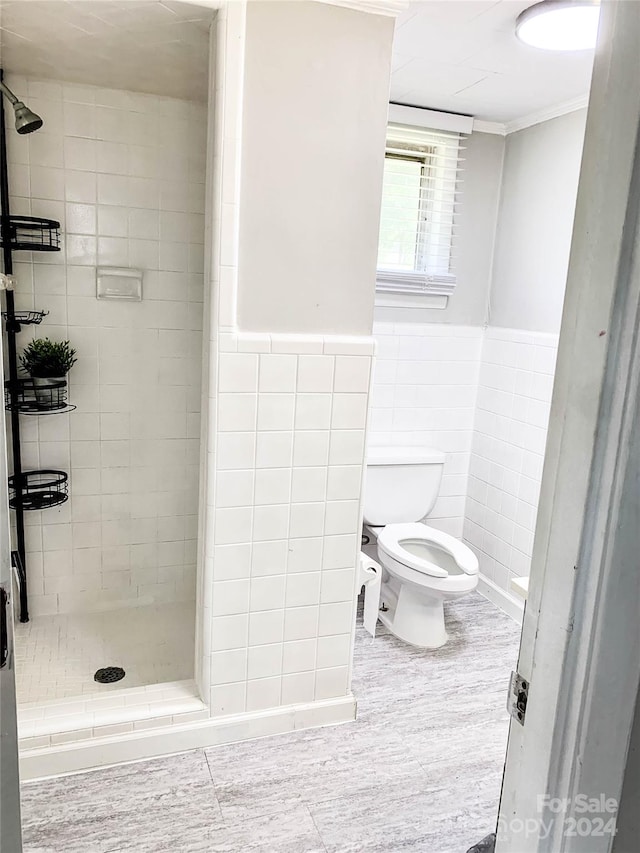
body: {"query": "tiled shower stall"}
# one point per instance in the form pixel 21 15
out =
pixel 126 195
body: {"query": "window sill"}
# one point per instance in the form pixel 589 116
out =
pixel 414 284
pixel 430 301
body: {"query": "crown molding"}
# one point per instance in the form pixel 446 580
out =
pixel 547 114
pixel 479 126
pixel 496 127
pixel 433 119
pixel 391 8
pixel 438 120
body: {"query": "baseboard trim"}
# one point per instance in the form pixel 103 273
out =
pixel 94 753
pixel 505 602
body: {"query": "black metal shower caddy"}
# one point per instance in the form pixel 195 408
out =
pixel 39 489
pixel 31 399
pixel 28 490
pixel 32 234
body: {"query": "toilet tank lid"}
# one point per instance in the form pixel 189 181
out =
pixel 404 456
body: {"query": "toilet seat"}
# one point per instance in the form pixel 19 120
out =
pixel 392 537
pixel 422 569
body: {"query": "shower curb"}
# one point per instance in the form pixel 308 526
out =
pixel 174 736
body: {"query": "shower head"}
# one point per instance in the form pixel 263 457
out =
pixel 26 120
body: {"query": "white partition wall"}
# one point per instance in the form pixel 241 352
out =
pixel 289 396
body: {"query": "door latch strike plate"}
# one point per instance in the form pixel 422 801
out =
pixel 518 696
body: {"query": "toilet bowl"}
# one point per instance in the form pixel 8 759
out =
pixel 422 568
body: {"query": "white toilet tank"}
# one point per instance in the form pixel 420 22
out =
pixel 402 484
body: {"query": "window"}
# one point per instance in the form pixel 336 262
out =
pixel 420 194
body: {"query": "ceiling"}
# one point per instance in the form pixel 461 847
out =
pixel 453 55
pixel 159 47
pixel 463 56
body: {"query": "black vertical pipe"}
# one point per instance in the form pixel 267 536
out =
pixel 12 328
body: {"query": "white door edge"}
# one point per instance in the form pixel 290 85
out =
pixel 580 646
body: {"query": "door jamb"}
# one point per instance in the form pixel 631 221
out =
pixel 581 644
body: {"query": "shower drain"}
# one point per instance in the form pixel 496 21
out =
pixel 109 674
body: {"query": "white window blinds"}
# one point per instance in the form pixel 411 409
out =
pixel 420 198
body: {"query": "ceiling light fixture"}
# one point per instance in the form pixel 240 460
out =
pixel 560 24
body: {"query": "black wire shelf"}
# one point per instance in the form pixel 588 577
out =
pixel 33 234
pixel 27 318
pixel 34 398
pixel 40 489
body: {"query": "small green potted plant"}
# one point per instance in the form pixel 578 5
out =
pixel 47 362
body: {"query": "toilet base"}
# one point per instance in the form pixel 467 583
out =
pixel 417 619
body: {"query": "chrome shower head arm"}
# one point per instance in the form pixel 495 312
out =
pixel 7 91
pixel 26 120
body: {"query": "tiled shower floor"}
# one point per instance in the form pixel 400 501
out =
pixel 419 771
pixel 57 656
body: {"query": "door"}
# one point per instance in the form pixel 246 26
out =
pixel 580 650
pixel 10 832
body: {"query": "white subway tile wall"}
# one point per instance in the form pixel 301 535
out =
pixel 124 174
pixel 482 396
pixel 424 394
pixel 286 527
pixel 514 399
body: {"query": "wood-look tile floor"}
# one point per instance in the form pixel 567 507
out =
pixel 419 770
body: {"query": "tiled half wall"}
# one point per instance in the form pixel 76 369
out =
pixel 512 415
pixel 424 394
pixel 284 525
pixel 483 397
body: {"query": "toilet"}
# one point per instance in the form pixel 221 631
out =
pixel 422 567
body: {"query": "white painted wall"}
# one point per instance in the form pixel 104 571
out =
pixel 539 187
pixel 315 106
